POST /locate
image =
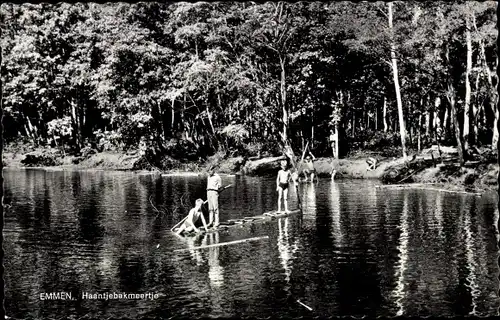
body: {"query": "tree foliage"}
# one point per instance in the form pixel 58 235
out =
pixel 214 76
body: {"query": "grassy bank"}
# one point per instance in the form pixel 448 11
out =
pixel 478 176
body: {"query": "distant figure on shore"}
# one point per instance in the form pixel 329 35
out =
pixel 333 173
pixel 309 169
pixel 282 183
pixel 372 164
pixel 194 215
pixel 214 184
pixel 334 139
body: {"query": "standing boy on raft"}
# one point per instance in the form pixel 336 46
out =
pixel 213 186
pixel 282 182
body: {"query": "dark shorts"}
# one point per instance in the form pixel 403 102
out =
pixel 309 171
pixel 284 186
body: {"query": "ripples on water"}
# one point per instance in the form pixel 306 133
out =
pixel 357 250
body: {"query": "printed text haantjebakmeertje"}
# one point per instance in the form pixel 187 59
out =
pixel 119 296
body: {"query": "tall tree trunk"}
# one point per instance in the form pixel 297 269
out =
pixel 312 131
pixel 353 123
pixel 159 125
pixel 468 115
pixel 385 114
pixel 427 122
pixel 476 110
pixel 1 155
pixel 446 122
pixel 408 124
pixel 172 122
pixel 367 125
pixel 182 124
pixel 495 138
pixel 283 99
pixel 437 125
pixel 84 122
pixel 451 99
pixel 419 130
pixel 74 121
pixel 451 96
pixel 402 129
pixel 30 129
pixel 493 93
pixel 28 132
pixel 209 117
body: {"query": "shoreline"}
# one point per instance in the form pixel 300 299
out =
pixel 454 179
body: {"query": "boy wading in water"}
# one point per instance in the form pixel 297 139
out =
pixel 194 215
pixel 282 182
pixel 309 167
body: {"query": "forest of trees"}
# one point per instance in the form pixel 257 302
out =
pixel 239 77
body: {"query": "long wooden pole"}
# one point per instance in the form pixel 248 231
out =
pixel 184 219
pixel 302 159
pixel 304 152
pixel 223 244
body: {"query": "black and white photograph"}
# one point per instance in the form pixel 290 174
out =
pixel 240 159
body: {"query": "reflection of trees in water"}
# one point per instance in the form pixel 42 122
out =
pixel 477 261
pixel 89 217
pixel 131 273
pixel 485 222
pixel 251 195
pixel 180 194
pixel 335 212
pixel 359 214
pixel 309 200
pixel 191 242
pixel 92 232
pixel 57 207
pixel 445 266
pixel 450 245
pixel 401 265
pixel 469 240
pixel 144 186
pixel 368 203
pixel 438 214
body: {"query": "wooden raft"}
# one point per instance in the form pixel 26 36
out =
pixel 225 225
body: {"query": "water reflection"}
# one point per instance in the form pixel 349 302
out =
pixel 360 251
pixel 470 281
pixel 191 242
pixel 309 200
pixel 438 214
pixel 215 272
pixel 401 265
pixel 286 246
pixel 335 213
pixel 496 219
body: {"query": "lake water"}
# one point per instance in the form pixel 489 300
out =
pixel 357 250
